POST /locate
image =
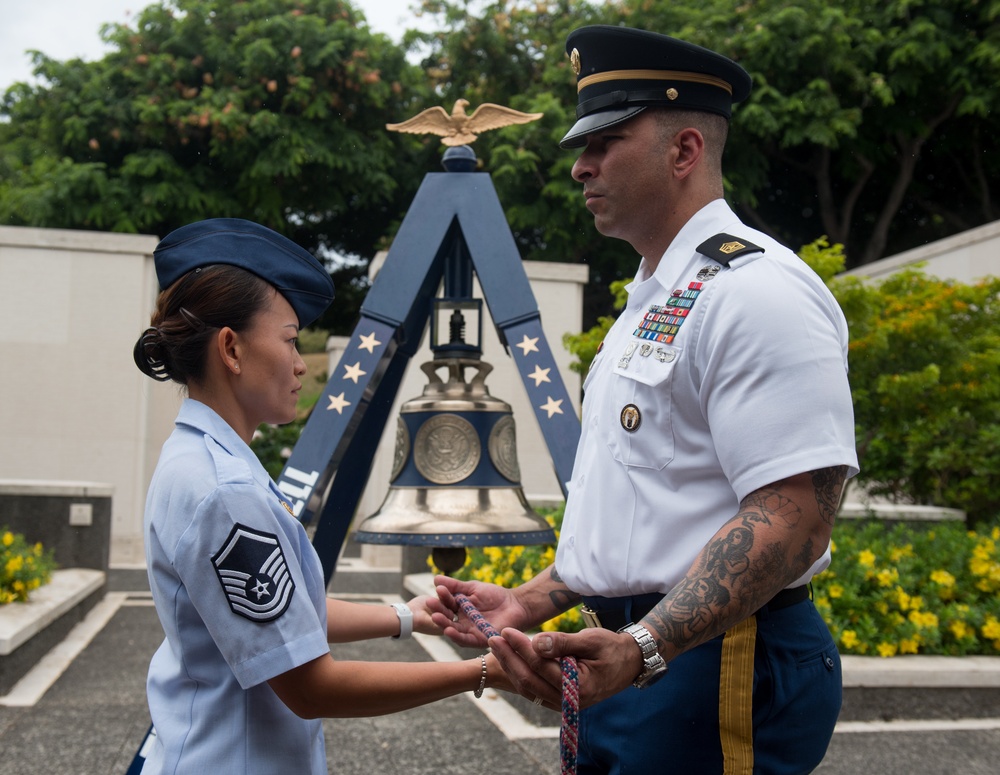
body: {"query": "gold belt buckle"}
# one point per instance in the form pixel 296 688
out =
pixel 590 617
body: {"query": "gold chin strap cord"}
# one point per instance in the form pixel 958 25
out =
pixel 653 75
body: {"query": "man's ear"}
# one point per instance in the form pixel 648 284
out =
pixel 689 146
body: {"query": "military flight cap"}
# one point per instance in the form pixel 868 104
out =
pixel 621 71
pixel 292 270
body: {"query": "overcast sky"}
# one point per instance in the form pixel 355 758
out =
pixel 64 29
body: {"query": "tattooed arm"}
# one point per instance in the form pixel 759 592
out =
pixel 779 532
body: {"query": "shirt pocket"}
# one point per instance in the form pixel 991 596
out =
pixel 640 406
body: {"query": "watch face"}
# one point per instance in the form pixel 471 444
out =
pixel 648 679
pixel 653 665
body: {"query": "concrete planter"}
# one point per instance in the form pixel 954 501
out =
pixel 28 631
pixel 71 518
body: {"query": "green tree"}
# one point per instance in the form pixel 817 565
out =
pixel 512 52
pixel 272 110
pixel 867 121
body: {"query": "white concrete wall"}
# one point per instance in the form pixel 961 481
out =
pixel 558 290
pixel 73 406
pixel 964 257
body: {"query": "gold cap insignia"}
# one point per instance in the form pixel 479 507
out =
pixel 574 61
pixel 731 247
pixel 671 93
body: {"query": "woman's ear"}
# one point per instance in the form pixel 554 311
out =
pixel 229 348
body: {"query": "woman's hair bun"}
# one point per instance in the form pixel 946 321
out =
pixel 149 354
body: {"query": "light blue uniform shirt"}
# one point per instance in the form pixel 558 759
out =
pixel 240 593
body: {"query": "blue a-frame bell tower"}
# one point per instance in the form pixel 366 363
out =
pixel 455 220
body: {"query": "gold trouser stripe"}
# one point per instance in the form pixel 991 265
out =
pixel 736 698
pixel 653 75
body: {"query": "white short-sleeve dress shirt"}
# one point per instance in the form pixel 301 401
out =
pixel 241 596
pixel 714 381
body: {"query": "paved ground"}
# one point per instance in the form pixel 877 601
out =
pixel 93 715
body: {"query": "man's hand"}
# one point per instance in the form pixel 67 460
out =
pixel 497 605
pixel 607 662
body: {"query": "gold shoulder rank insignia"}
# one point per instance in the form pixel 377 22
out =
pixel 725 247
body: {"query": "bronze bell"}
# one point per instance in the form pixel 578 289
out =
pixel 455 480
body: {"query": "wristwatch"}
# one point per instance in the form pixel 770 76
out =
pixel 653 666
pixel 405 621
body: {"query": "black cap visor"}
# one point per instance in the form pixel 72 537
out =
pixel 595 122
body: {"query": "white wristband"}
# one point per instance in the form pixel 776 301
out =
pixel 405 621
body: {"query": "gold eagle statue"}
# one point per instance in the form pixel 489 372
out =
pixel 457 128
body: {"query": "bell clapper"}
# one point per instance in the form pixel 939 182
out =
pixel 448 559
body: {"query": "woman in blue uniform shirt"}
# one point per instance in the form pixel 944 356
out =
pixel 245 674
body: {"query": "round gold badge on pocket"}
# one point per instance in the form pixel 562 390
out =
pixel 631 418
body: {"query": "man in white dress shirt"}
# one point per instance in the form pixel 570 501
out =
pixel 717 435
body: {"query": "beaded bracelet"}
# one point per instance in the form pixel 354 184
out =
pixel 482 680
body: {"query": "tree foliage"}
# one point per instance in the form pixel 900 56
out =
pixel 272 110
pixel 869 122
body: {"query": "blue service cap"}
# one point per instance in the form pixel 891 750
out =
pixel 293 271
pixel 621 71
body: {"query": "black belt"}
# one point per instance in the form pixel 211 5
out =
pixel 613 613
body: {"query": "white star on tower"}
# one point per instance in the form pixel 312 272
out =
pixel 353 372
pixel 528 345
pixel 338 403
pixel 552 406
pixel 369 343
pixel 540 375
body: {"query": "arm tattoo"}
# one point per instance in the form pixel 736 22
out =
pixel 739 568
pixel 562 598
pixel 829 484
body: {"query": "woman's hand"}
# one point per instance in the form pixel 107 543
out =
pixel 423 621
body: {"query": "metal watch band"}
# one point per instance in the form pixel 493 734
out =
pixel 653 665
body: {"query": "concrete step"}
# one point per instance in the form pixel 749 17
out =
pixel 29 630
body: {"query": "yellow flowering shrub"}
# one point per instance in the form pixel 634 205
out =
pixel 907 589
pixel 23 567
